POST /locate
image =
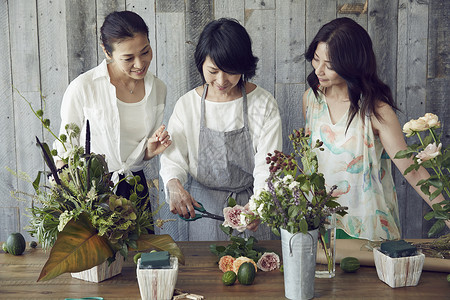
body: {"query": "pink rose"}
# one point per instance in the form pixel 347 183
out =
pixel 232 217
pixel 269 261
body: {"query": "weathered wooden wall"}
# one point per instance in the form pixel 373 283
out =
pixel 45 44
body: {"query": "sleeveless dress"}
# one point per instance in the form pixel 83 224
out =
pixel 357 163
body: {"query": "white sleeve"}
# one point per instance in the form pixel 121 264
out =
pixel 270 139
pixel 174 160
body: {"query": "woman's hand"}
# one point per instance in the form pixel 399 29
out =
pixel 253 226
pixel 180 201
pixel 157 143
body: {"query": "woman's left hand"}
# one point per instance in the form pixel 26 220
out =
pixel 157 143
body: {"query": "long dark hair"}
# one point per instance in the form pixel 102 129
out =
pixel 352 57
pixel 228 44
pixel 120 25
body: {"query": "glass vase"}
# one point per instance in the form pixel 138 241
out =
pixel 326 250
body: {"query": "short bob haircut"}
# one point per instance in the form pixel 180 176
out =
pixel 228 44
pixel 351 57
pixel 120 25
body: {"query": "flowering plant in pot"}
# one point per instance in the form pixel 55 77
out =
pixel 78 216
pixel 430 154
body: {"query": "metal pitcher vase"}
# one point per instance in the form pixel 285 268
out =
pixel 299 263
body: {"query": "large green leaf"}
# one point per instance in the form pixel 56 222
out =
pixel 77 248
pixel 162 242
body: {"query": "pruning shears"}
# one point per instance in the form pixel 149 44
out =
pixel 203 214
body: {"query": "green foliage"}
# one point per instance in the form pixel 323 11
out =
pixel 239 247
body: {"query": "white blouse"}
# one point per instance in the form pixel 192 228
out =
pixel 92 97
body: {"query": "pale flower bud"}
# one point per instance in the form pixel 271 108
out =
pixel 431 151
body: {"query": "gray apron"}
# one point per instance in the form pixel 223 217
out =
pixel 225 169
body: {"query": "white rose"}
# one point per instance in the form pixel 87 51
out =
pixel 288 178
pixel 294 185
pixel 432 120
pixel 415 126
pixel 431 151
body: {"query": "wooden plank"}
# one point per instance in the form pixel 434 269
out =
pixel 438 76
pixel 9 221
pixel 258 4
pixel 229 9
pixel 382 28
pixel 290 41
pixel 146 9
pixel 82 36
pixel 198 15
pixel 260 25
pixel 360 11
pixel 104 8
pixel 170 6
pixel 172 69
pixel 26 78
pixel 317 14
pixel 411 92
pixel 289 98
pixel 52 60
pixel 8 182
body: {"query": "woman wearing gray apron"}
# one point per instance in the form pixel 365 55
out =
pixel 220 138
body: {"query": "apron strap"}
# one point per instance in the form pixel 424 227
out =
pixel 202 118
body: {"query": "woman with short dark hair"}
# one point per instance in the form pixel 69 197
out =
pixel 123 102
pixel 221 133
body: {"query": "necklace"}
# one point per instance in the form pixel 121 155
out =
pixel 125 86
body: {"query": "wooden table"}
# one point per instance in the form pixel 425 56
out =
pixel 201 275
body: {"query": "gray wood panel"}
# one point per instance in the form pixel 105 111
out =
pixel 290 41
pixel 289 97
pixel 7 134
pixel 81 27
pixel 382 28
pixel 198 15
pixel 229 9
pixel 260 25
pixel 411 85
pixel 26 79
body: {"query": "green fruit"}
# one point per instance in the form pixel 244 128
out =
pixel 4 248
pixel 15 243
pixel 136 257
pixel 246 273
pixel 349 264
pixel 228 278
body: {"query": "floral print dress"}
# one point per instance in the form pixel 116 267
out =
pixel 357 163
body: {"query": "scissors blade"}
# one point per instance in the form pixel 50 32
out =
pixel 213 216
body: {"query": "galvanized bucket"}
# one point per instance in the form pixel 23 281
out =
pixel 299 263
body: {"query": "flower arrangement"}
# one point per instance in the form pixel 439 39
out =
pixel 78 215
pixel 295 197
pixel 430 154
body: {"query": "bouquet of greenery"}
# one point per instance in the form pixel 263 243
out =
pixel 79 217
pixel 430 154
pixel 295 197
